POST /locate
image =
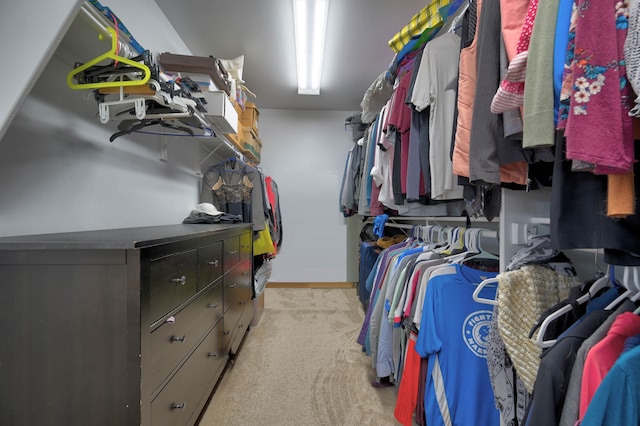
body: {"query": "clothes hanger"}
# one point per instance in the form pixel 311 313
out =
pixel 481 253
pixel 111 54
pixel 601 283
pixel 444 238
pixel 468 245
pixel 138 125
pixel 479 287
pixel 455 237
pixel 155 106
pixel 433 234
pixel 416 232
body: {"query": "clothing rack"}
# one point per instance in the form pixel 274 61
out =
pixel 399 225
pixel 435 220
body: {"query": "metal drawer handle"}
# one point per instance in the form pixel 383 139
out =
pixel 178 338
pixel 178 406
pixel 246 273
pixel 214 262
pixel 232 252
pixel 232 285
pixel 226 333
pixel 246 246
pixel 243 303
pixel 182 280
pixel 241 325
pixel 212 354
pixel 212 305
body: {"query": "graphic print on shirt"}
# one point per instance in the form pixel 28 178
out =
pixel 475 332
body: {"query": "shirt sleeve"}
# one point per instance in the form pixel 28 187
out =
pixel 428 339
pixel 257 201
pixel 421 95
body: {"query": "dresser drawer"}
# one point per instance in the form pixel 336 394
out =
pixel 209 264
pixel 172 281
pixel 231 252
pixel 237 295
pixel 241 327
pixel 175 338
pixel 238 284
pixel 230 322
pixel 182 399
pixel 246 245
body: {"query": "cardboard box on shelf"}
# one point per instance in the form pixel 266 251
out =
pixel 252 145
pixel 250 116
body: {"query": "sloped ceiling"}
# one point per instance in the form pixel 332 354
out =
pixel 356 51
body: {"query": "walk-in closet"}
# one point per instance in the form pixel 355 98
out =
pixel 319 212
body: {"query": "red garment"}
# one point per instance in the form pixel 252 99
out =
pixel 407 398
pixel 375 207
pixel 272 201
pixel 604 354
pixel 400 118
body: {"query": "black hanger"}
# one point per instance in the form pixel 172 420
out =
pixel 130 126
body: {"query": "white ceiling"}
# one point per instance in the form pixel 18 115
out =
pixel 356 49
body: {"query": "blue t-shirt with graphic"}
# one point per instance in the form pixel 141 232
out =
pixel 454 337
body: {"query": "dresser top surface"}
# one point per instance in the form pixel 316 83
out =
pixel 122 238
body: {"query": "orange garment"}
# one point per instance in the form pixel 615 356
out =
pixel 512 16
pixel 466 95
pixel 509 173
pixel 514 173
pixel 620 195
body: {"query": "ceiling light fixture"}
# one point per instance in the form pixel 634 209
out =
pixel 310 24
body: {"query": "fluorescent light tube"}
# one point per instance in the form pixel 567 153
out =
pixel 310 25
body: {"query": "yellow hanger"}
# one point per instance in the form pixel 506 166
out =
pixel 111 54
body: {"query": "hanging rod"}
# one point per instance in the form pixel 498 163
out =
pixel 100 23
pixel 399 225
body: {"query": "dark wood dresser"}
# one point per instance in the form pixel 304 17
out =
pixel 120 327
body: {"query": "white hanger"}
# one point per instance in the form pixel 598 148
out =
pixel 479 287
pixel 445 237
pixel 600 284
pixel 464 243
pixel 480 252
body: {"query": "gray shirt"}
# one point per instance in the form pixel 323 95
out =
pixel 571 408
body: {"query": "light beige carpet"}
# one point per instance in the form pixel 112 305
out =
pixel 301 365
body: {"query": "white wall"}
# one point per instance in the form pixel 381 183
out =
pixel 28 39
pixel 305 153
pixel 58 170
